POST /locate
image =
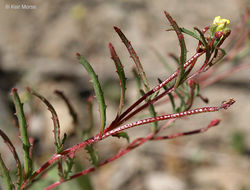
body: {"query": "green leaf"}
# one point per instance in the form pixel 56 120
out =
pixel 191 33
pixel 121 74
pixel 97 89
pixel 122 135
pixel 23 131
pixel 196 89
pixel 204 41
pixel 174 57
pixel 55 119
pixel 142 93
pixel 87 132
pixel 218 58
pixel 185 90
pixel 183 105
pixel 63 141
pixel 213 28
pixel 15 155
pixel 135 58
pixel 171 97
pixel 6 175
pixel 93 156
pixel 69 166
pixel 137 78
pixel 183 54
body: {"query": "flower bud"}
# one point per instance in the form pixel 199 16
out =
pixel 219 27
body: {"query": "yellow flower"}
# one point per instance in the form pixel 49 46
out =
pixel 220 23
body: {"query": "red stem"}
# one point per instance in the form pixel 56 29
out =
pixel 201 130
pixel 122 152
pixel 120 120
pixel 136 143
pixel 96 138
pixel 160 118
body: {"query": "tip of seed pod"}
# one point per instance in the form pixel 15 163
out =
pixel 78 55
pixel 226 104
pixel 116 28
pixel 215 122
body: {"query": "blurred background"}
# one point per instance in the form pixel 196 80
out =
pixel 37 49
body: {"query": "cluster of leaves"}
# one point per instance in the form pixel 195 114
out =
pixel 184 84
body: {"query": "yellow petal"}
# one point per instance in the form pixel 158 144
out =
pixel 221 23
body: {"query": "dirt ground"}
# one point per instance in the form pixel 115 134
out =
pixel 37 49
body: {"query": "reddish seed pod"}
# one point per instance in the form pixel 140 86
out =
pixel 218 34
pixel 191 83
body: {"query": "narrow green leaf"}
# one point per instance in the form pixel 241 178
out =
pixel 185 90
pixel 55 119
pixel 204 41
pixel 155 95
pixel 196 89
pixel 69 166
pixel 137 78
pixel 213 29
pixel 56 131
pixel 91 114
pixel 6 175
pixel 142 93
pixel 220 57
pixel 87 132
pixel 93 156
pixel 135 58
pixel 121 74
pixel 97 89
pixel 23 131
pixel 171 97
pixel 191 33
pixel 183 105
pixel 183 54
pixel 218 42
pixel 63 141
pixel 15 155
pixel 122 135
pixel 174 57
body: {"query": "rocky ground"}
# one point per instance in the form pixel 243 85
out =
pixel 37 49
